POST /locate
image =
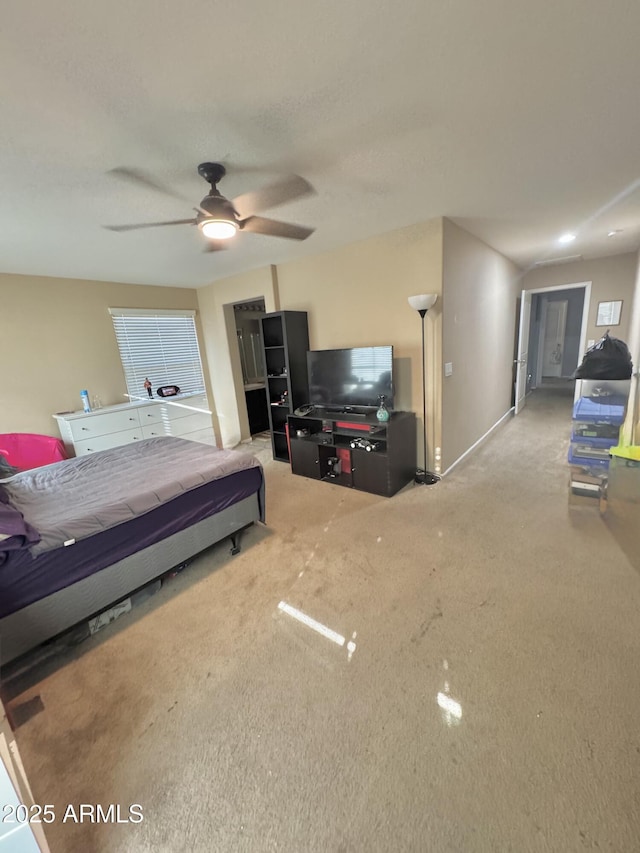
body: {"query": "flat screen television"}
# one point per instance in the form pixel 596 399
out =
pixel 353 378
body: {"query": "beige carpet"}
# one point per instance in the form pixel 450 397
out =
pixel 474 687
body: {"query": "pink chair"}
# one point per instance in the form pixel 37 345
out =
pixel 26 450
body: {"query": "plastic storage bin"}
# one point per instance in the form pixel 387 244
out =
pixel 595 411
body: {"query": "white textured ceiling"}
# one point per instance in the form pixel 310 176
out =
pixel 520 120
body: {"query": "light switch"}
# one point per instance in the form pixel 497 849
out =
pixel 448 368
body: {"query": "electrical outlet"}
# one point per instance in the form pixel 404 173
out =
pixel 448 368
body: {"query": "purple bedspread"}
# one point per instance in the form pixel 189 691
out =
pixel 25 578
pixel 80 497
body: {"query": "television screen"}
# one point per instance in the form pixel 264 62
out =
pixel 358 377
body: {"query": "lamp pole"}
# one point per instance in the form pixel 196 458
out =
pixel 422 303
pixel 423 312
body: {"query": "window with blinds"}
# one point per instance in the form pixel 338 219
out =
pixel 161 345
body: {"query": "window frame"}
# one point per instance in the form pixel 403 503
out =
pixel 177 362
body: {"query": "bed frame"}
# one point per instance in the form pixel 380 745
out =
pixel 27 628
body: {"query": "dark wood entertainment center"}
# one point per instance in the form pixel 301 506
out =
pixel 384 469
pixel 318 445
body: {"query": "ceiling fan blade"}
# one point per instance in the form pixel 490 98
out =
pixel 149 225
pixel 215 246
pixel 272 195
pixel 260 225
pixel 136 176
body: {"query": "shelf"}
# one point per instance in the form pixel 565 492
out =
pixel 340 480
pixel 383 471
pixel 376 435
pixel 285 342
pixel 316 438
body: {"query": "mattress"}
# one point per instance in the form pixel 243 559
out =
pixel 80 497
pixel 28 575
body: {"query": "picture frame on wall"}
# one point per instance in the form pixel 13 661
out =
pixel 609 313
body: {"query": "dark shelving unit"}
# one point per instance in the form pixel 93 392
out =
pixel 285 342
pixel 382 471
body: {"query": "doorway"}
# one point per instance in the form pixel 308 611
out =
pixel 552 336
pixel 247 320
pixel 555 329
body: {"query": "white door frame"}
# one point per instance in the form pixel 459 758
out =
pixel 522 360
pixel 585 312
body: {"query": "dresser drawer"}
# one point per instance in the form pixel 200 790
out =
pixel 154 430
pixel 178 426
pixel 205 436
pixel 96 424
pixel 106 442
pixel 194 421
pixel 177 411
pixel 152 414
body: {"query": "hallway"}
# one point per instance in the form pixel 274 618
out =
pixel 453 669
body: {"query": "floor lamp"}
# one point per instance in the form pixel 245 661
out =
pixel 421 304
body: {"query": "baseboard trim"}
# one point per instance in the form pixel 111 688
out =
pixel 480 440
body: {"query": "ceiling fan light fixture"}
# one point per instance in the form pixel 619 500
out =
pixel 219 229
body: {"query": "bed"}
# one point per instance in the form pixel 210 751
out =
pixel 82 534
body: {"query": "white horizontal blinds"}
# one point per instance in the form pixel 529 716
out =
pixel 161 345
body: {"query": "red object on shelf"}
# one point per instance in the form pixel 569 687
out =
pixel 346 425
pixel 286 429
pixel 344 455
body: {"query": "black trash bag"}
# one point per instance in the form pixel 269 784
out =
pixel 609 358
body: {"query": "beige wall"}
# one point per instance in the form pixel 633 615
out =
pixel 634 319
pixel 215 303
pixel 357 296
pixel 612 278
pixel 480 292
pixel 631 431
pixel 57 338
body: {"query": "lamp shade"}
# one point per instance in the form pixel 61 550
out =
pixel 423 301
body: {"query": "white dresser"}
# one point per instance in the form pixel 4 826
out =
pixel 186 416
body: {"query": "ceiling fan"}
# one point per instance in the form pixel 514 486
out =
pixel 220 219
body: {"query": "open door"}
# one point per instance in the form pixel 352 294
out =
pixel 522 359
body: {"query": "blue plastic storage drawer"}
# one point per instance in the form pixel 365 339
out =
pixel 582 431
pixel 601 442
pixel 595 465
pixel 581 450
pixel 589 410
